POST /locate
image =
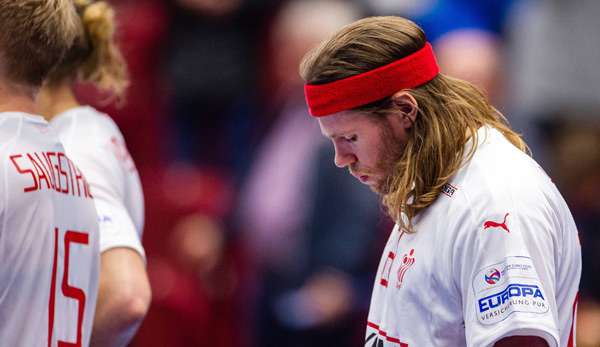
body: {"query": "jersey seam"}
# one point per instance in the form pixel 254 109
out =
pixel 5 197
pixel 5 186
pixel 6 200
pixel 469 213
pixel 119 189
pixel 71 133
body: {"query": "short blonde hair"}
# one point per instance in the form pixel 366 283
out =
pixel 94 56
pixel 34 36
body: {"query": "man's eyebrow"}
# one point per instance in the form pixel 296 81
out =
pixel 335 135
pixel 329 136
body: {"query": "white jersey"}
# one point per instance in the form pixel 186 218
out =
pixel 496 255
pixel 49 247
pixel 94 142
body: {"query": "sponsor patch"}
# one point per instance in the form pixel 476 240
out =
pixel 493 276
pixel 507 287
pixel 448 189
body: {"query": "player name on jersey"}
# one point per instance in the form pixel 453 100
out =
pixel 51 170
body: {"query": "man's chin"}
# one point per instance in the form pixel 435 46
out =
pixel 375 182
pixel 375 190
pixel 379 188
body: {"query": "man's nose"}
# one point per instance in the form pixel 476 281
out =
pixel 343 158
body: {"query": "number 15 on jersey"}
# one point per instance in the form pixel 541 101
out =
pixel 66 306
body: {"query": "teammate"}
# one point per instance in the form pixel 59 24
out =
pixel 485 251
pixel 95 143
pixel 49 247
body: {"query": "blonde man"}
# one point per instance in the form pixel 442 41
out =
pixel 485 251
pixel 49 249
pixel 95 143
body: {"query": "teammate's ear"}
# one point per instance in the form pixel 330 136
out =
pixel 407 107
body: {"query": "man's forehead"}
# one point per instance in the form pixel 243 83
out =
pixel 340 123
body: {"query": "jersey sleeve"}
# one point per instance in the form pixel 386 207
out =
pixel 116 227
pixel 506 266
pixel 3 192
pixel 104 169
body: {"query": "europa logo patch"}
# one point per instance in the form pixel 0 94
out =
pixel 515 290
pixel 508 287
pixel 516 297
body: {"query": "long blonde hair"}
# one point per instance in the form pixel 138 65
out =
pixel 95 57
pixel 450 111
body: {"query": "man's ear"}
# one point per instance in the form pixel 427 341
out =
pixel 407 107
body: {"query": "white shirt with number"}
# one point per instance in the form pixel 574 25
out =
pixel 496 255
pixel 94 142
pixel 49 247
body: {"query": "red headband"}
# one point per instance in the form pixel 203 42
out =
pixel 348 93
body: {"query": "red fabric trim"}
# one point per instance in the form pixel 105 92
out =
pixel 348 93
pixel 385 335
pixel 571 335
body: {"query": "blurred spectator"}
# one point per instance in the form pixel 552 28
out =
pixel 211 60
pixel 467 35
pixel 309 225
pixel 575 148
pixel 553 54
pixel 314 243
pixel 576 152
pixel 193 267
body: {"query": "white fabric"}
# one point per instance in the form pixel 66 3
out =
pixel 94 142
pixel 476 274
pixel 45 207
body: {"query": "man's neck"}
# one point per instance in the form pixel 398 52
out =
pixel 56 99
pixel 17 99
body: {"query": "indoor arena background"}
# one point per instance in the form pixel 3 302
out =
pixel 253 238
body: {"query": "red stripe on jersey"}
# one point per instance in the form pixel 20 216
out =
pixel 52 290
pixel 383 334
pixel 73 292
pixel 571 337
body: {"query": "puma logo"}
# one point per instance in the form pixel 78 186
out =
pixel 492 224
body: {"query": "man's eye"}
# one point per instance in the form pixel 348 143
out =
pixel 352 138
